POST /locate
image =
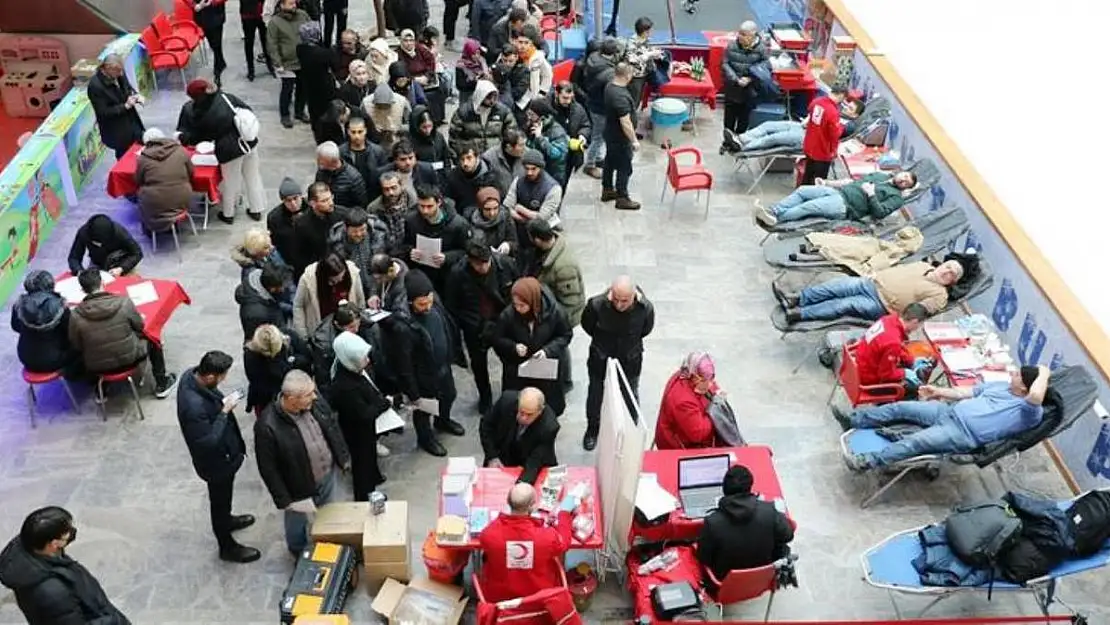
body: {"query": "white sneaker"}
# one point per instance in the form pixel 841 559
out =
pixel 383 451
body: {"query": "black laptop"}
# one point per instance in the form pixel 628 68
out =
pixel 699 483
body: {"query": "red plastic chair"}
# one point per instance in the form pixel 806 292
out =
pixel 185 215
pixel 167 30
pixel 161 57
pixel 857 392
pixel 561 71
pixel 123 376
pixel 744 585
pixel 33 379
pixel 183 12
pixel 695 177
pixel 539 617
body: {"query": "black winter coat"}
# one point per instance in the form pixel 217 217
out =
pixel 430 149
pixel 462 187
pixel 213 438
pixel 452 230
pixel 121 250
pixel 257 306
pixel 551 333
pixel 41 320
pixel 357 402
pixel 422 174
pixel 494 232
pixel 418 372
pixel 346 184
pixel 743 533
pixel 596 73
pixel 264 375
pixel 211 119
pixel 282 458
pixel 120 127
pixel 55 590
pixel 466 290
pixel 311 232
pixel 280 223
pixel 574 118
pixel 533 450
pixel 211 16
pixel 615 334
pixel 369 163
pixel 736 64
pixel 320 86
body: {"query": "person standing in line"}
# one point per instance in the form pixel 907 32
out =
pixel 320 86
pixel 740 89
pixel 620 139
pixel 335 20
pixel 116 105
pixel 597 71
pixel 50 587
pixel 358 403
pixel 284 37
pixel 215 443
pixel 822 138
pixel 210 15
pixel 250 15
pixel 617 321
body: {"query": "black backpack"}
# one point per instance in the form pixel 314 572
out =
pixel 1090 514
pixel 979 533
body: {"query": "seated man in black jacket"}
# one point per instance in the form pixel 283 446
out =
pixel 520 431
pixel 345 182
pixel 110 247
pixel 744 532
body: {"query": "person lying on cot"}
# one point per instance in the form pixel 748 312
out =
pixel 980 415
pixel 881 355
pixel 874 196
pixel 789 134
pixel 891 290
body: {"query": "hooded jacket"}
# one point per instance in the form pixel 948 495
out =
pixel 109 246
pixel 55 590
pixel 484 127
pixel 551 333
pixel 743 533
pixel 283 35
pixel 108 331
pixel 346 184
pixel 257 306
pixel 42 321
pixel 431 149
pixel 596 73
pixel 164 174
pixel 560 272
pixel 213 120
pixel 462 187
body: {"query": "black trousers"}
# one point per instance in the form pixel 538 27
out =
pixel 478 350
pixel 814 170
pixel 250 27
pixel 450 16
pixel 446 394
pixel 336 21
pixel 362 441
pixel 595 394
pixel 157 362
pixel 618 161
pixel 292 93
pixel 215 37
pixel 220 494
pixel 737 115
pixel 611 29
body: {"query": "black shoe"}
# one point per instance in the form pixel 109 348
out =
pixel 432 446
pixel 250 77
pixel 589 441
pixel 303 117
pixel 240 554
pixel 255 216
pixel 165 386
pixel 287 122
pixel 786 301
pixel 460 360
pixel 273 73
pixel 793 316
pixel 568 386
pixel 844 419
pixel 450 426
pixel 224 218
pixel 241 522
pixel 219 83
pixel 484 403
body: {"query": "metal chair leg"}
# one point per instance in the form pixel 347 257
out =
pixel 31 404
pixel 153 242
pixel 192 223
pixel 100 399
pixel 69 393
pixel 885 487
pixel 176 243
pixel 708 193
pixel 770 602
pixel 135 394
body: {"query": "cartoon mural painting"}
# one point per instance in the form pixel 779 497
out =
pixel 13 256
pixel 1005 306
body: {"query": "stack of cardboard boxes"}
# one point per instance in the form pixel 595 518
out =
pixel 383 538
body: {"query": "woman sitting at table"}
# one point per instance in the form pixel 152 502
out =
pixel 684 421
pixel 164 174
pixel 41 319
pixel 323 286
pixel 267 357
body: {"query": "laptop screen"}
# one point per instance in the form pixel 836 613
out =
pixel 704 471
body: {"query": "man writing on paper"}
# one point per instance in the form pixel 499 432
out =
pixel 520 431
pixel 522 554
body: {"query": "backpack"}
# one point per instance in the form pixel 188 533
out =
pixel 1090 514
pixel 979 533
pixel 246 124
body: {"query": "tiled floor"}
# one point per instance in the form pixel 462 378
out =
pixel 143 513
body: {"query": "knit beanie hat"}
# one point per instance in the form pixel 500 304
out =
pixel 288 188
pixel 533 157
pixel 197 88
pixel 486 194
pixel 417 284
pixel 541 107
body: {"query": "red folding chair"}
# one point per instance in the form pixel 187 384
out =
pixel 166 29
pixel 161 57
pixel 693 177
pixel 744 585
pixel 857 392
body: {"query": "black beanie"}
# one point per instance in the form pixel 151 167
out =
pixel 541 107
pixel 738 481
pixel 417 284
pixel 1029 375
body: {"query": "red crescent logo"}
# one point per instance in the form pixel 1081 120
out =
pixel 519 551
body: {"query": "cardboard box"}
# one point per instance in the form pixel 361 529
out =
pixel 420 601
pixel 342 523
pixel 377 572
pixel 323 619
pixel 385 536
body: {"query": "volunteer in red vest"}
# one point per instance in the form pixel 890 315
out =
pixel 522 554
pixel 822 134
pixel 882 357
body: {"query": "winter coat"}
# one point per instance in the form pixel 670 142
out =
pixel 369 163
pixel 462 187
pixel 280 223
pixel 164 174
pixel 494 232
pixel 881 354
pixel 392 295
pixel 743 533
pixel 306 304
pixel 419 372
pixel 55 590
pixel 574 119
pixel 468 293
pixel 532 451
pixel 503 171
pixel 311 233
pixel 499 34
pixel 430 149
pixel 902 285
pixel 257 306
pixel 376 242
pixel 283 461
pixel 353 95
pixel 120 250
pixel 539 76
pixel 402 14
pixel 484 14
pixel 212 119
pixel 469 123
pixel 596 73
pixel 346 184
pixel 865 255
pixel 736 64
pixel 503 578
pixel 683 421
pixel 422 62
pixel 615 334
pixel 560 272
pixel 320 86
pixel 212 16
pixel 886 199
pixel 282 37
pixel 394 220
pixel 551 333
pixel 552 143
pixel 108 331
pixel 120 127
pixel 265 375
pixel 356 402
pixel 512 83
pixel 938 565
pixel 214 440
pixel 453 232
pixel 342 67
pixel 41 320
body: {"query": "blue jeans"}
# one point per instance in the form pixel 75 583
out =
pixel 806 202
pixel 772 135
pixel 943 432
pixel 296 523
pixel 843 297
pixel 595 151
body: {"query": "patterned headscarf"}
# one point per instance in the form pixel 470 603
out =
pixel 310 33
pixel 698 363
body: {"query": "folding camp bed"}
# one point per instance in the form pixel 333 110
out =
pixel 1078 392
pixel 889 565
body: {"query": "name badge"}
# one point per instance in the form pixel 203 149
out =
pixel 437 165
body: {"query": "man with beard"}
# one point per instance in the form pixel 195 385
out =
pixel 311 227
pixel 472 174
pixel 357 239
pixel 410 171
pixel 574 118
pixel 395 203
pixel 435 220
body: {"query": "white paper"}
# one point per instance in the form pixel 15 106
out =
pixel 142 293
pixel 990 375
pixel 428 247
pixel 388 421
pixel 430 406
pixel 462 465
pixel 284 73
pixel 437 165
pixel 378 315
pixel 961 359
pixel 652 499
pixel 70 289
pixel 539 369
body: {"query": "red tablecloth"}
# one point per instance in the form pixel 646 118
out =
pixel 491 490
pixel 685 569
pixel 664 464
pixel 121 179
pixel 687 88
pixel 718 42
pixel 155 314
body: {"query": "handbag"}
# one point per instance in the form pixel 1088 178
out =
pixel 720 412
pixel 246 124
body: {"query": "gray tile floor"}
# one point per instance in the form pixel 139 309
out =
pixel 143 513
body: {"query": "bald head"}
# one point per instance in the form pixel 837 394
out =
pixel 530 405
pixel 522 498
pixel 622 293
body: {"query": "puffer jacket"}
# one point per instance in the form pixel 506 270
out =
pixel 283 35
pixel 108 330
pixel 615 334
pixel 42 321
pixel 462 187
pixel 264 375
pixel 552 143
pixel 469 124
pixel 164 174
pixel 512 82
pixel 574 118
pixel 213 120
pixel 257 306
pixel 560 272
pixel 596 73
pixel 736 64
pixel 376 242
pixel 346 184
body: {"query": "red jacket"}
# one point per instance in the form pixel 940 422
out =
pixel 683 422
pixel 822 130
pixel 881 354
pixel 522 555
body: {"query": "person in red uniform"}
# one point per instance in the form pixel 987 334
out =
pixel 822 136
pixel 522 554
pixel 684 421
pixel 882 357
